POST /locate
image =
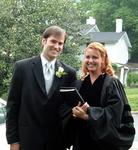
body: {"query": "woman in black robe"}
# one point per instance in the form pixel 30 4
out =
pixel 104 121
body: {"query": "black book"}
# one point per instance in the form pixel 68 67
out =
pixel 71 95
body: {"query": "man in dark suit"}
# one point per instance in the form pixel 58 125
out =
pixel 33 121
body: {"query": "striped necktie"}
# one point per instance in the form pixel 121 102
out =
pixel 48 76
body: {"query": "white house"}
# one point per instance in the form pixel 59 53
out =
pixel 86 31
pixel 90 27
pixel 117 44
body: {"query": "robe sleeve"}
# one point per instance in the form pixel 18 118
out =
pixel 105 122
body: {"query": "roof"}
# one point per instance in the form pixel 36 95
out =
pixel 132 65
pixel 87 28
pixel 109 37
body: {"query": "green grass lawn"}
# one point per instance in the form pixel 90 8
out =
pixel 132 95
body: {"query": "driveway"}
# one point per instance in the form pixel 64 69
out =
pixel 135 144
pixel 3 142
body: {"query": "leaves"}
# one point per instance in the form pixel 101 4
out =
pixel 22 23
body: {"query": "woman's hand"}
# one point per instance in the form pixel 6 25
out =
pixel 80 111
pixel 15 146
pixel 85 106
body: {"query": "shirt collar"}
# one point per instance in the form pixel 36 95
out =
pixel 45 61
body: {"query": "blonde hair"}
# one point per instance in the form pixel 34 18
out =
pixel 106 65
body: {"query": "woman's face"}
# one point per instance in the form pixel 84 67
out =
pixel 93 60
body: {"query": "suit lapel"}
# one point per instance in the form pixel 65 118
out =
pixel 78 84
pixel 56 80
pixel 38 73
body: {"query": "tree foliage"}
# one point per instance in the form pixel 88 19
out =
pixel 23 21
pixel 106 11
pixel 21 25
pixel 132 79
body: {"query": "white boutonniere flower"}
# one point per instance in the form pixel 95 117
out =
pixel 60 72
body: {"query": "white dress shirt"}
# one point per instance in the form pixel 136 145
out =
pixel 45 63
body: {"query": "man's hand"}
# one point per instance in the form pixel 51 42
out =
pixel 15 146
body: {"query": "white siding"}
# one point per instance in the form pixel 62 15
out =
pixel 118 53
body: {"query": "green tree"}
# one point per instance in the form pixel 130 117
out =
pixel 21 25
pixel 106 11
pixel 128 12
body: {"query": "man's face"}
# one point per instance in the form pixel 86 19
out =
pixel 53 46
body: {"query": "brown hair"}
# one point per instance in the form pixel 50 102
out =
pixel 54 30
pixel 106 66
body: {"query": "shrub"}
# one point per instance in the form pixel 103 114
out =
pixel 132 79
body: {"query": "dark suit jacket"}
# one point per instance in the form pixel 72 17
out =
pixel 32 115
